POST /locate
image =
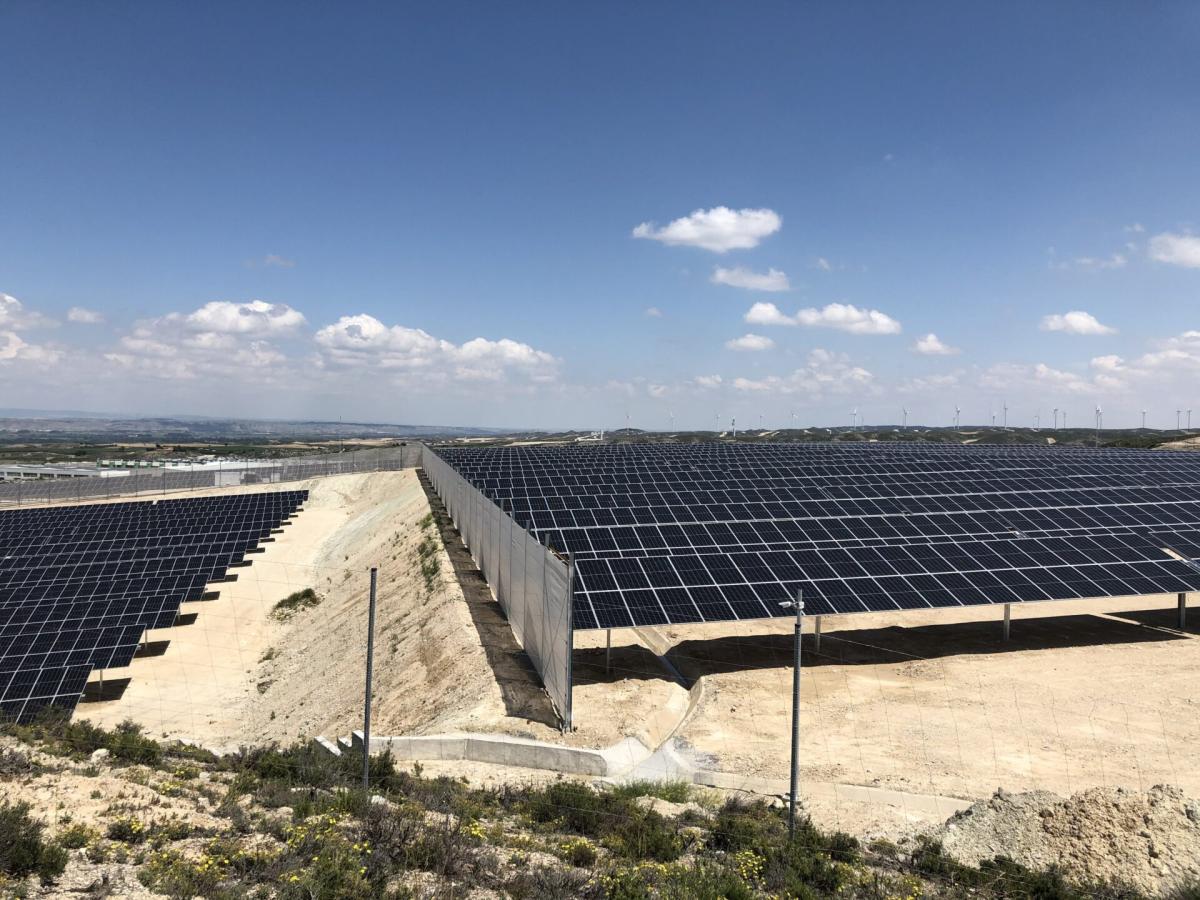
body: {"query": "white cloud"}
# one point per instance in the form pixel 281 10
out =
pixel 1135 228
pixel 653 312
pixel 363 340
pixel 14 315
pixel 931 384
pixel 708 381
pixel 841 316
pixel 1040 377
pixel 84 316
pixel 13 348
pixel 1075 322
pixel 752 342
pixel 1176 249
pixel 719 229
pixel 823 264
pixel 767 314
pixel 254 317
pixel 932 345
pixel 221 339
pixel 845 317
pixel 823 372
pixel 772 280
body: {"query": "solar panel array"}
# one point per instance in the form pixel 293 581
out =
pixel 79 585
pixel 674 533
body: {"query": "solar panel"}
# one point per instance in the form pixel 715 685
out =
pixel 672 533
pixel 80 585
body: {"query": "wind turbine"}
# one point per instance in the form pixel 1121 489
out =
pixel 1189 420
pixel 1099 419
pixel 672 415
pixel 1064 420
pixel 1056 418
pixel 904 417
pixel 1037 421
pixel 793 420
pixel 956 414
pixel 1005 415
pixel 1177 414
pixel 1143 420
pixel 854 419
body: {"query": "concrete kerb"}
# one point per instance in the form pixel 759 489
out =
pixel 628 760
pixel 506 750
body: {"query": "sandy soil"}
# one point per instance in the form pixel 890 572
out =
pixel 237 675
pixel 1086 694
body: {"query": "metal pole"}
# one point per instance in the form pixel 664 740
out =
pixel 1182 611
pixel 367 701
pixel 1007 619
pixel 608 649
pixel 795 775
pixel 817 635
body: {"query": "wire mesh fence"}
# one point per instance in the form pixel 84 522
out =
pixel 137 482
pixel 530 582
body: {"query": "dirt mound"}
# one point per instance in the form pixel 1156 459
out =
pixel 1149 840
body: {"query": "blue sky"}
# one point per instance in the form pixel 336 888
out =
pixel 431 214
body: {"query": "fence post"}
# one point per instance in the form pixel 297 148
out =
pixel 569 703
pixel 367 702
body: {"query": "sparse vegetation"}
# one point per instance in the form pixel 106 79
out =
pixel 427 553
pixel 294 603
pixel 298 826
pixel 23 851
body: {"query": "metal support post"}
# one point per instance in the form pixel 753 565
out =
pixel 794 788
pixel 817 635
pixel 367 700
pixel 1007 619
pixel 1182 611
pixel 607 651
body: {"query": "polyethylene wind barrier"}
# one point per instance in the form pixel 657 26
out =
pixel 152 481
pixel 530 582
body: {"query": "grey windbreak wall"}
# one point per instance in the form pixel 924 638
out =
pixel 532 584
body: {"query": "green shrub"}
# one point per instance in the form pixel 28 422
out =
pixel 14 763
pixel 294 603
pixel 546 883
pixel 76 836
pixel 578 852
pixel 706 880
pixel 127 830
pixel 127 743
pixel 747 825
pixel 645 835
pixel 671 791
pixel 54 731
pixel 575 806
pixel 23 852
